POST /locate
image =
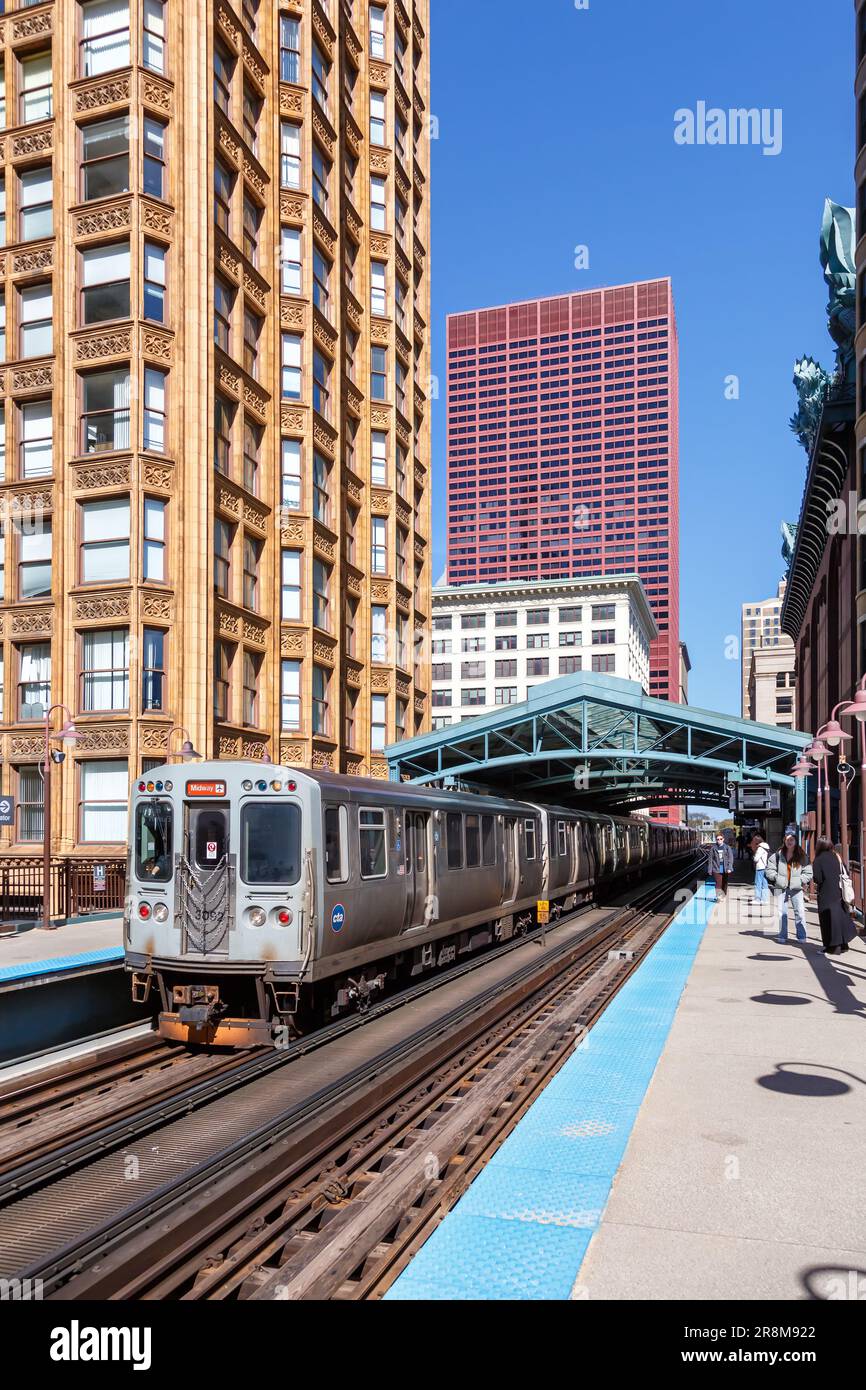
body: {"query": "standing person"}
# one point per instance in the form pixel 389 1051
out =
pixel 832 912
pixel 788 873
pixel 741 846
pixel 720 862
pixel 760 855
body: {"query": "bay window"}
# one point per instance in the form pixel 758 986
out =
pixel 378 288
pixel 321 384
pixel 35 203
pixel 290 49
pixel 290 450
pixel 251 667
pixel 36 451
pixel 379 461
pixel 153 170
pixel 105 417
pixel 153 432
pixel 31 803
pixel 291 371
pixel 290 260
pixel 378 545
pixel 153 675
pixel 379 633
pixel 104 796
pixel 378 127
pixel 35 101
pixel 105 158
pixel 34 680
pixel 290 155
pixel 290 695
pixel 153 547
pixel 105 283
pixel 34 559
pixel 105 36
pixel 223 536
pixel 154 282
pixel 321 595
pixel 104 670
pixel 222 666
pixel 153 36
pixel 35 306
pixel 321 179
pixel 321 706
pixel 105 531
pixel 290 601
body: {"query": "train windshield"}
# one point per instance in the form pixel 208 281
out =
pixel 270 842
pixel 153 831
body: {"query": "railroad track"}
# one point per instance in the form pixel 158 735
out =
pixel 40 1112
pixel 269 1193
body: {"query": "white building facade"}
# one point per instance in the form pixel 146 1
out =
pixel 493 642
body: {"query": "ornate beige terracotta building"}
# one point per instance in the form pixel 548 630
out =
pixel 217 462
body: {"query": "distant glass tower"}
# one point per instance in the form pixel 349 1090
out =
pixel 562 450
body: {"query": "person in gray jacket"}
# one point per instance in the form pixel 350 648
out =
pixel 720 862
pixel 788 873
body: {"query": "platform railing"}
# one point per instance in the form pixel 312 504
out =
pixel 78 887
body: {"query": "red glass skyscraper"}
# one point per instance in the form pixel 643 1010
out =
pixel 562 448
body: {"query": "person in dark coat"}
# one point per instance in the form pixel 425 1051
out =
pixel 832 912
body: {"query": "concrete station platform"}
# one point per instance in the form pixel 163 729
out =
pixel 81 944
pixel 706 1142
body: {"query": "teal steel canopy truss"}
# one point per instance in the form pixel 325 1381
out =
pixel 600 742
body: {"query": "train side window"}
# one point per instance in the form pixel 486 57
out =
pixel 454 839
pixel 371 841
pixel 473 842
pixel 336 844
pixel 488 840
pixel 529 837
pixel 561 837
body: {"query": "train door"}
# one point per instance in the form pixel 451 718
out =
pixel 417 870
pixel 510 860
pixel 204 903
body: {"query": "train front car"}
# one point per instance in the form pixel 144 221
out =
pixel 218 899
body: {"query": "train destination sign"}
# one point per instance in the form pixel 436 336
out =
pixel 205 788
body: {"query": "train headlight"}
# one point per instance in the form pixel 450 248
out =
pixel 256 916
pixel 160 913
pixel 247 785
pixel 144 910
pixel 284 917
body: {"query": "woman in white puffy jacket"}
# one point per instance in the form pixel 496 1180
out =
pixel 788 873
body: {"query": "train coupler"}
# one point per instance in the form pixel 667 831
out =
pixel 362 992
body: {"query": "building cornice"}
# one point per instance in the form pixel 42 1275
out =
pixel 455 596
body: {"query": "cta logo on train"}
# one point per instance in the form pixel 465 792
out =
pixel 261 897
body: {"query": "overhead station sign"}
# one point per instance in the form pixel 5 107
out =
pixel 758 798
pixel 205 788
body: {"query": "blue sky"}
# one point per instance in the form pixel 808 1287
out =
pixel 556 130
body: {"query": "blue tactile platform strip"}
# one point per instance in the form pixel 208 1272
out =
pixel 27 969
pixel 522 1229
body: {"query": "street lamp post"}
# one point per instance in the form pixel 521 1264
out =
pixel 833 735
pixel 857 708
pixel 69 736
pixel 186 750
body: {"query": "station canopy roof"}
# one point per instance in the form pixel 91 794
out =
pixel 600 742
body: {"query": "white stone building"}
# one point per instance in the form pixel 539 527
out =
pixel 493 642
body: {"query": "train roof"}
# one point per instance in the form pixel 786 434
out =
pixel 357 788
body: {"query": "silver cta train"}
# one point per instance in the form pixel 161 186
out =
pixel 259 896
